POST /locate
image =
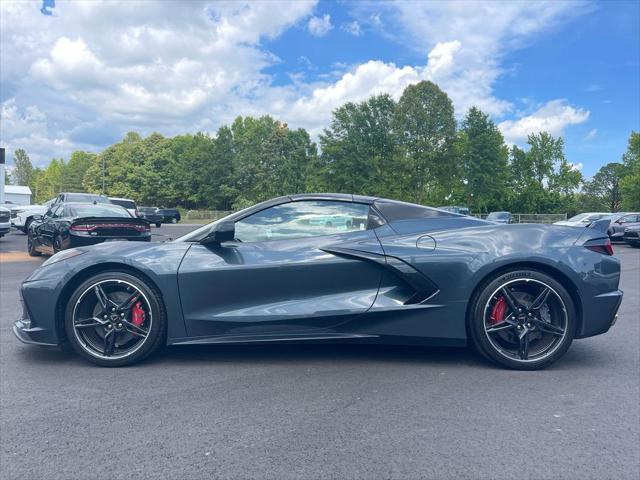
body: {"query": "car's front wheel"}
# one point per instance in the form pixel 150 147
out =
pixel 523 319
pixel 31 247
pixel 115 319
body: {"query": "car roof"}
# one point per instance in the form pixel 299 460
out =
pixel 90 204
pixel 344 197
pixel 120 198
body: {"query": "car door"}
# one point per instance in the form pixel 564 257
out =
pixel 46 230
pixel 278 276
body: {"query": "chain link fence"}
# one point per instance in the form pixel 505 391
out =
pixel 212 215
pixel 533 217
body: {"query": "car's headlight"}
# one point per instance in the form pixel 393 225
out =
pixel 63 255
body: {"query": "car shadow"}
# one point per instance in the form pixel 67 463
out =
pixel 293 353
pixel 282 354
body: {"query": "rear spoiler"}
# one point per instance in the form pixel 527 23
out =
pixel 601 225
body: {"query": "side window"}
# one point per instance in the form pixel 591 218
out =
pixel 302 219
pixel 53 212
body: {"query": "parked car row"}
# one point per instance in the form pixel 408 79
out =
pixel 22 216
pixel 72 224
pixel 5 224
pixel 623 226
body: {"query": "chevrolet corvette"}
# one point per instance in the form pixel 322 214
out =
pixel 328 268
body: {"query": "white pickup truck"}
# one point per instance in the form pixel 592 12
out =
pixel 22 215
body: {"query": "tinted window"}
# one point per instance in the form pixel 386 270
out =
pixel 302 219
pixel 97 211
pixel 124 203
pixel 147 210
pixel 407 211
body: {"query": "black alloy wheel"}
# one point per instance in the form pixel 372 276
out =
pixel 523 319
pixel 115 319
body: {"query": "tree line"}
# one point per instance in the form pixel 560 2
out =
pixel 412 150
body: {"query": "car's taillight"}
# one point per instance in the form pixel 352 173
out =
pixel 600 245
pixel 82 228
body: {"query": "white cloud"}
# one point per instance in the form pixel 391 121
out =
pixel 28 127
pixel 593 133
pixel 320 26
pixel 486 32
pixel 553 117
pixel 352 28
pixel 165 66
pixel 93 70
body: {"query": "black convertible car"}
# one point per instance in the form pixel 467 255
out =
pixel 67 225
pixel 332 267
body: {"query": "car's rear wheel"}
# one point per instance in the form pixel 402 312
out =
pixel 115 319
pixel 174 220
pixel 57 244
pixel 523 319
pixel 31 248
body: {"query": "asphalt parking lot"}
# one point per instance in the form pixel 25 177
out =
pixel 318 411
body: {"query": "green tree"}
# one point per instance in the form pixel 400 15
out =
pixel 543 180
pixel 358 149
pixel 76 169
pixel 630 183
pixel 605 186
pixel 23 168
pixel 50 181
pixel 484 158
pixel 426 132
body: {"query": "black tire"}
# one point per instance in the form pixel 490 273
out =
pixel 27 225
pixel 496 349
pixel 57 244
pixel 31 247
pixel 158 225
pixel 155 337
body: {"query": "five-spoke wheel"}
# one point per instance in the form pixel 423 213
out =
pixel 523 319
pixel 114 319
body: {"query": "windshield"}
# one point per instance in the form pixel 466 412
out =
pixel 147 210
pixel 130 204
pixel 86 197
pixel 97 211
pixel 498 216
pixel 578 217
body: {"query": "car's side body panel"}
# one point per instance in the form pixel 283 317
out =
pixel 406 281
pixel 277 286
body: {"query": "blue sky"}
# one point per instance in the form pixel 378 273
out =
pixel 82 76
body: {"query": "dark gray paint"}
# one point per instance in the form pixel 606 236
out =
pixel 361 285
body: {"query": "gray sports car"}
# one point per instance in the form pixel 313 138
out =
pixel 332 267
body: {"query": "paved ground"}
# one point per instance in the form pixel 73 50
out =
pixel 319 411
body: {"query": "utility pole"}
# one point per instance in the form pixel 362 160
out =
pixel 103 173
pixel 1 176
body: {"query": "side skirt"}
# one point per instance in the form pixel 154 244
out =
pixel 267 338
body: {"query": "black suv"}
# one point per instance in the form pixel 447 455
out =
pixel 169 215
pixel 150 214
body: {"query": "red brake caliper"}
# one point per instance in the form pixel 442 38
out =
pixel 137 314
pixel 499 309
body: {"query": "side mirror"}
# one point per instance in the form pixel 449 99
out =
pixel 223 232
